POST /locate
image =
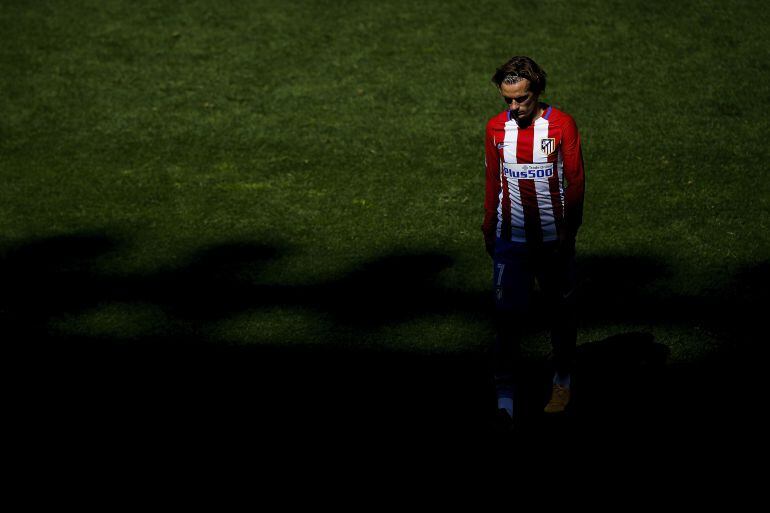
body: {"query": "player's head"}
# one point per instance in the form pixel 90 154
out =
pixel 520 81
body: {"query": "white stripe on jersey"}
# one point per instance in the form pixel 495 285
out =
pixel 500 200
pixel 509 155
pixel 517 214
pixel 544 204
pixel 510 141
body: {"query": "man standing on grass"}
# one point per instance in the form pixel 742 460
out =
pixel 533 209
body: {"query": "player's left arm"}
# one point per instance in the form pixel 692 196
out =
pixel 574 173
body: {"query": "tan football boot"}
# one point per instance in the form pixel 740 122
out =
pixel 559 399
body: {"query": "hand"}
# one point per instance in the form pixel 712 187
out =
pixel 490 247
pixel 567 246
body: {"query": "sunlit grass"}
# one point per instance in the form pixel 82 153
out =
pixel 341 133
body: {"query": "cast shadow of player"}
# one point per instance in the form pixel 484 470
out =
pixel 627 391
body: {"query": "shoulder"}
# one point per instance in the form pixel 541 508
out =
pixel 497 122
pixel 561 118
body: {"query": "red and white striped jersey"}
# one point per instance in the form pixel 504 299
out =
pixel 527 199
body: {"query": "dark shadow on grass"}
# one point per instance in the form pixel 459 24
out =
pixel 175 384
pixel 178 381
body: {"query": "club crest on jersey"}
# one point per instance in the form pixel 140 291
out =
pixel 547 145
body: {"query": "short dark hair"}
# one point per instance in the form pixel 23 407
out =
pixel 521 67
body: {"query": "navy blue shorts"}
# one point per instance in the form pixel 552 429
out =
pixel 517 265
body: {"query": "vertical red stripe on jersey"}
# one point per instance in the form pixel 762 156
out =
pixel 505 227
pixel 553 182
pixel 532 228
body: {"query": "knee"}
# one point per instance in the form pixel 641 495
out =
pixel 509 303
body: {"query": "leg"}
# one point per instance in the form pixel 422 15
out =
pixel 557 279
pixel 512 285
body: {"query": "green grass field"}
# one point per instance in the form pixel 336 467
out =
pixel 309 174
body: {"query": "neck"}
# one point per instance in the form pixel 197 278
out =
pixel 539 112
pixel 527 122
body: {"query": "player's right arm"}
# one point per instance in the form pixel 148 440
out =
pixel 492 189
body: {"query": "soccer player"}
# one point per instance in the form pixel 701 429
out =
pixel 533 209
